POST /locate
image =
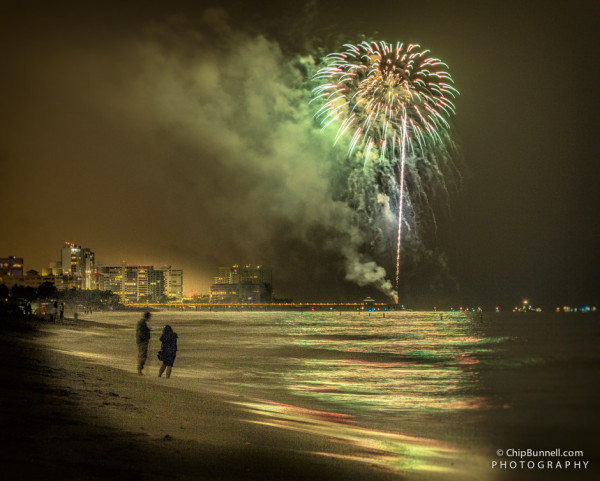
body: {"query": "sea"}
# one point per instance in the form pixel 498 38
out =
pixel 429 395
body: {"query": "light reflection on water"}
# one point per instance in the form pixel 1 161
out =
pixel 401 362
pixel 391 382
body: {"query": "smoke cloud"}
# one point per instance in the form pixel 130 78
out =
pixel 241 109
pixel 192 144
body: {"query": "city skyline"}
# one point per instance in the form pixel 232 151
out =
pixel 78 269
pixel 182 131
pixel 230 276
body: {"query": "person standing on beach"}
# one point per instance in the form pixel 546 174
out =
pixel 142 338
pixel 168 351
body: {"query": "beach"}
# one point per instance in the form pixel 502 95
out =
pixel 64 418
pixel 74 407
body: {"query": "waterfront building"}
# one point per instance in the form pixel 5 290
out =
pixel 173 279
pixel 151 285
pixel 80 263
pixel 139 283
pixel 109 278
pixel 77 270
pixel 245 284
pixel 142 284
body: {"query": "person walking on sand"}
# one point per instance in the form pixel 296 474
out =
pixel 142 338
pixel 168 351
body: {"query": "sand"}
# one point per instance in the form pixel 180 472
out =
pixel 66 418
pixel 77 418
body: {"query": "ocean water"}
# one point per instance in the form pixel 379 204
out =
pixel 429 395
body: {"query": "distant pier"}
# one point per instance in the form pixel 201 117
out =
pixel 258 307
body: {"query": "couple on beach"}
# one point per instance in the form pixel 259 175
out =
pixel 168 348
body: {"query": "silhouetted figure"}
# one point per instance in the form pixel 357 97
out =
pixel 168 351
pixel 142 338
pixel 61 311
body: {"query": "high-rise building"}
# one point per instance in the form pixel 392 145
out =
pixel 151 287
pixel 173 282
pixel 245 284
pixel 129 284
pixel 142 284
pixel 224 276
pixel 79 262
pixel 110 278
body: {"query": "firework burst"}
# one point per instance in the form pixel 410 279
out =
pixel 390 100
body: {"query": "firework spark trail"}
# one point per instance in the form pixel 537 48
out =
pixel 400 204
pixel 390 99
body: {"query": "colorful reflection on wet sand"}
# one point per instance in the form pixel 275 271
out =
pixel 424 395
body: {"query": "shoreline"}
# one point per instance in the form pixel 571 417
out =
pixel 76 409
pixel 67 418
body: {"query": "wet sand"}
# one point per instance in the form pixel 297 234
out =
pixel 74 417
pixel 65 418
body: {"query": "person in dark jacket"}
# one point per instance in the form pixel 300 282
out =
pixel 142 338
pixel 168 351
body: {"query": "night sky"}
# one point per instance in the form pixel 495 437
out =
pixel 178 133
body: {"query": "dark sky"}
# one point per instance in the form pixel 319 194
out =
pixel 177 133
